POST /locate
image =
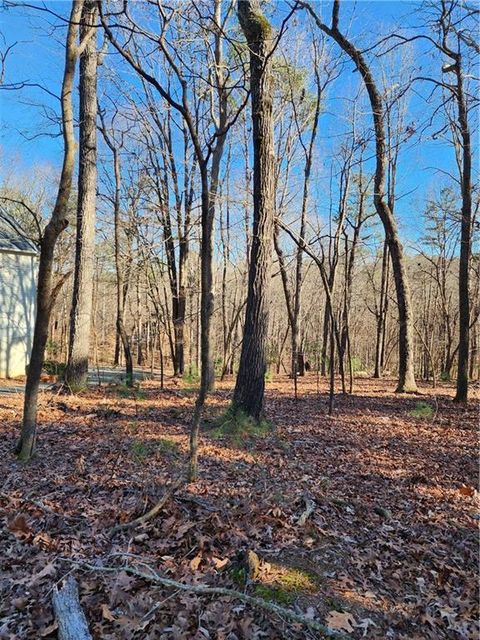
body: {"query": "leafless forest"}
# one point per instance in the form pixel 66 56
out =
pixel 250 397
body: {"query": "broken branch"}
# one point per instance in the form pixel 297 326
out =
pixel 309 509
pixel 153 511
pixel 201 589
pixel 72 623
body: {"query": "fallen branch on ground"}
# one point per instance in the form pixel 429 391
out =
pixel 153 511
pixel 201 589
pixel 72 623
pixel 309 509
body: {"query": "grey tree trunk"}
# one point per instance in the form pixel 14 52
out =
pixel 72 623
pixel 58 222
pixel 381 314
pixel 250 386
pixel 208 203
pixel 81 313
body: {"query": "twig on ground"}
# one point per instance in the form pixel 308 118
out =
pixel 200 502
pixel 153 511
pixel 309 509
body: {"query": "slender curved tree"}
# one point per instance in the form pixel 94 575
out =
pixel 406 370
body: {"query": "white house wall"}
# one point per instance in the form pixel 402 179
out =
pixel 17 311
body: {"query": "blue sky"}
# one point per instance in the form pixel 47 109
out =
pixel 38 58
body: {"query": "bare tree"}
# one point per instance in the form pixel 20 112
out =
pixel 406 377
pixel 303 128
pixel 81 312
pixel 161 164
pixel 122 267
pixel 208 153
pixel 462 137
pixel 57 223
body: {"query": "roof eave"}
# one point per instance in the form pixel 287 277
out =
pixel 21 252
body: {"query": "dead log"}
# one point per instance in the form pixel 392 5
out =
pixel 72 623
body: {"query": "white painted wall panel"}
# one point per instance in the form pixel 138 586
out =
pixel 18 274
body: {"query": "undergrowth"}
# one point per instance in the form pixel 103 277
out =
pixel 422 410
pixel 141 449
pixel 237 426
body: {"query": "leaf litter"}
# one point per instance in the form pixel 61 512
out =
pixel 389 550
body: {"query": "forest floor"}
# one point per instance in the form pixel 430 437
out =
pixel 389 552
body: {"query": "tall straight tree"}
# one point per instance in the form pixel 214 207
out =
pixel 80 319
pixel 57 223
pixel 249 392
pixel 406 369
pixel 455 25
pixel 451 42
pixel 122 267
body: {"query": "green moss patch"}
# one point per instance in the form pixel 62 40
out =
pixel 237 426
pixel 422 410
pixel 273 594
pixel 285 584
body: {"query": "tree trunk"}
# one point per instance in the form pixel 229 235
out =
pixel 326 333
pixel 179 333
pixel 465 240
pixel 473 353
pixel 208 201
pixel 59 220
pixel 250 386
pixel 121 277
pixel 381 315
pixel 81 313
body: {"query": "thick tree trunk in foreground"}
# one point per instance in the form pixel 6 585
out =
pixel 80 319
pixel 54 228
pixel 250 386
pixel 406 373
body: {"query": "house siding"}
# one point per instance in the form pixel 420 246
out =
pixel 18 272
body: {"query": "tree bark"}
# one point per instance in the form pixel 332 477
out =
pixel 381 315
pixel 81 313
pixel 465 240
pixel 72 623
pixel 58 222
pixel 250 385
